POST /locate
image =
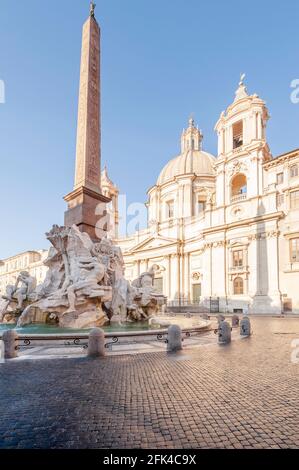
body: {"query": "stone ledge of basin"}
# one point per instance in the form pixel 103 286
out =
pixel 151 332
pixel 53 337
pixel 64 336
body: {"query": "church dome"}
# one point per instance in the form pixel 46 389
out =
pixel 195 162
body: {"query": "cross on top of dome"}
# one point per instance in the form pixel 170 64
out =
pixel 242 90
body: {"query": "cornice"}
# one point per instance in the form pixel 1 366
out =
pixel 246 222
pixel 281 159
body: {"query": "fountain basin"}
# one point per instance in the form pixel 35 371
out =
pixel 156 323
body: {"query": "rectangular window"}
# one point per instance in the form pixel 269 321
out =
pixel 280 199
pixel 294 200
pixel 279 178
pixel 294 171
pixel 238 134
pixel 201 206
pixel 238 258
pixel 294 248
pixel 170 210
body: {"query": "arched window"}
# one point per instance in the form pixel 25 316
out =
pixel 294 171
pixel 239 187
pixel 238 286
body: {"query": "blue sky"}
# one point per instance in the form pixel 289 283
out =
pixel 161 60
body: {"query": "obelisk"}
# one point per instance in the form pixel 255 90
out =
pixel 86 203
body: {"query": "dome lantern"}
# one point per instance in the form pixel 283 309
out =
pixel 192 159
pixel 191 137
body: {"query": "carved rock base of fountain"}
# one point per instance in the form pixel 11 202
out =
pixel 9 312
pixel 10 319
pixel 88 312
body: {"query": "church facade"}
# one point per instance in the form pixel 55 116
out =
pixel 223 232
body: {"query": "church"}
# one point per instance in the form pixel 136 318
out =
pixel 223 231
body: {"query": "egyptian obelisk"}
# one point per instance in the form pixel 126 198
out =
pixel 86 204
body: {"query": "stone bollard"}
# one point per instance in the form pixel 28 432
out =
pixel 96 343
pixel 245 327
pixel 205 316
pixel 224 333
pixel 235 321
pixel 174 339
pixel 10 340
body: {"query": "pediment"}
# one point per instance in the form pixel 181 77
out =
pixel 153 243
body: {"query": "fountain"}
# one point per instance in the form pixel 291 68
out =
pixel 84 287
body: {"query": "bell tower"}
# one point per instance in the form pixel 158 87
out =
pixel 242 147
pixel 111 191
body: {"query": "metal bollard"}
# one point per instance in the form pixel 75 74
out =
pixel 10 340
pixel 96 343
pixel 174 343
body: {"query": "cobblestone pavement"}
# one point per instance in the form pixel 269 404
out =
pixel 244 395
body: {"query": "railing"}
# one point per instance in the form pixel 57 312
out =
pixel 111 339
pixel 238 149
pixel 27 341
pixel 239 197
pixel 157 335
pixel 182 303
pixel 238 269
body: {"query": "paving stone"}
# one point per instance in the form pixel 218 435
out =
pixel 236 397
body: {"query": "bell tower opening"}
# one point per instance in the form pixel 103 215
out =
pixel 237 134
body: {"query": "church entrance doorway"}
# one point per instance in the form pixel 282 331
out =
pixel 196 293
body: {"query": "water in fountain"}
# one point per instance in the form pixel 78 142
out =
pixel 41 328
